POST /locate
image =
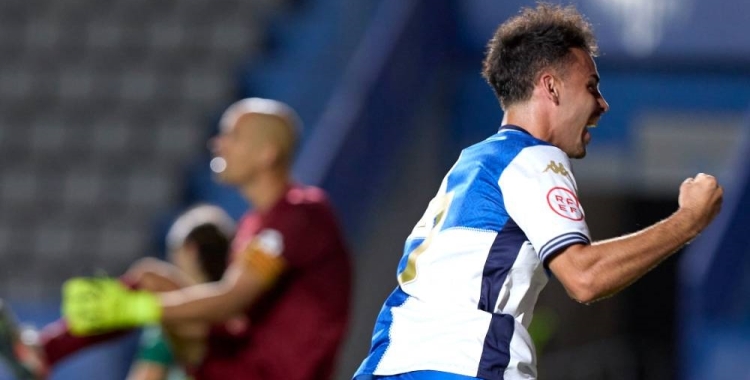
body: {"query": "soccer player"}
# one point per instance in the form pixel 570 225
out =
pixel 198 243
pixel 198 247
pixel 290 272
pixel 507 216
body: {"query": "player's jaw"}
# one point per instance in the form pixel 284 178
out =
pixel 228 177
pixel 223 170
pixel 238 172
pixel 577 144
pixel 229 165
pixel 585 137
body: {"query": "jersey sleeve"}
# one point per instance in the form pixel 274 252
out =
pixel 290 239
pixel 541 196
pixel 264 254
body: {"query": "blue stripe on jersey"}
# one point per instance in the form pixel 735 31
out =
pixel 560 242
pixel 477 201
pixel 381 338
pixel 496 351
pixel 502 255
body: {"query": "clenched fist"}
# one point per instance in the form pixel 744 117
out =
pixel 701 197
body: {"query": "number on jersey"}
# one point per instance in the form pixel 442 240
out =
pixel 433 220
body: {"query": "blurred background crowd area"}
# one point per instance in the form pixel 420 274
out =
pixel 106 108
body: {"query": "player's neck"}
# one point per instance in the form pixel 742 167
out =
pixel 265 190
pixel 529 117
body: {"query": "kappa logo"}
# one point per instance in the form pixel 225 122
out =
pixel 557 168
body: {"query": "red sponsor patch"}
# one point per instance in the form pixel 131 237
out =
pixel 564 203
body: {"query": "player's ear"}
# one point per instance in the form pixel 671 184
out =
pixel 550 85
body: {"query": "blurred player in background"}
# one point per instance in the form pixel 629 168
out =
pixel 198 246
pixel 290 271
pixel 507 215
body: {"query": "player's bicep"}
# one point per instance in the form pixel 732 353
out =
pixel 257 268
pixel 264 256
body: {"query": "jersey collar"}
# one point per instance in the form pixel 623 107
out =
pixel 514 128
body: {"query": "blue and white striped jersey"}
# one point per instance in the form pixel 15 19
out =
pixel 473 265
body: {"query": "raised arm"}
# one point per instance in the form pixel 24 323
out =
pixel 595 271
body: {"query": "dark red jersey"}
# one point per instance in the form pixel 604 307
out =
pixel 293 332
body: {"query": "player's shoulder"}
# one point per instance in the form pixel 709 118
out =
pixel 300 195
pixel 304 200
pixel 542 153
pixel 510 145
pixel 521 140
pixel 304 210
pixel 522 146
pixel 504 145
pixel 538 160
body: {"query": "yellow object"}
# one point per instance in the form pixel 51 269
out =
pixel 97 305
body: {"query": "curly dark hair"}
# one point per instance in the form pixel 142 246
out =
pixel 535 39
pixel 213 249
